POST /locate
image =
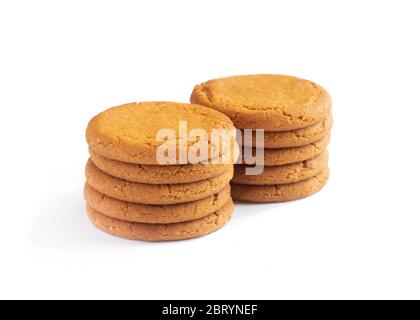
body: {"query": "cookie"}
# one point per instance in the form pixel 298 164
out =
pixel 270 102
pixel 282 156
pixel 146 213
pixel 294 138
pixel 154 174
pixel 280 192
pixel 162 232
pixel 128 133
pixel 288 173
pixel 154 193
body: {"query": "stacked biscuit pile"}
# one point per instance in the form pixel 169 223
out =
pixel 296 117
pixel 131 194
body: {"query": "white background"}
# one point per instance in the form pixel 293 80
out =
pixel 61 62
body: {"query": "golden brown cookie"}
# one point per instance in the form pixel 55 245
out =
pixel 280 192
pixel 154 174
pixel 282 156
pixel 146 213
pixel 154 193
pixel 270 102
pixel 128 133
pixel 294 138
pixel 162 232
pixel 284 174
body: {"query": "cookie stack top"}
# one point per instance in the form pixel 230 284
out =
pixel 270 102
pixel 128 133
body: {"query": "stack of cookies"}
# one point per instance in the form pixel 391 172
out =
pixel 295 115
pixel 132 193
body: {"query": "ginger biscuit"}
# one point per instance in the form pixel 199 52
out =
pixel 162 232
pixel 280 192
pixel 128 133
pixel 161 214
pixel 284 174
pixel 155 174
pixel 294 138
pixel 282 156
pixel 154 193
pixel 270 102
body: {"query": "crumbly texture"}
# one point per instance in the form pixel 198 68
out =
pixel 282 156
pixel 284 174
pixel 146 213
pixel 294 138
pixel 154 174
pixel 280 192
pixel 162 232
pixel 270 102
pixel 128 133
pixel 154 193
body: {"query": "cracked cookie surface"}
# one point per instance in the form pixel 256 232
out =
pixel 162 232
pixel 128 132
pixel 270 102
pixel 144 213
pixel 154 193
pixel 284 174
pixel 280 192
